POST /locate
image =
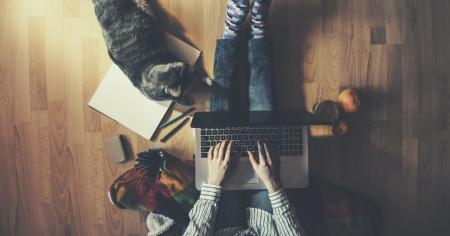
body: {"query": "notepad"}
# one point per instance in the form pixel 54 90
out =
pixel 117 98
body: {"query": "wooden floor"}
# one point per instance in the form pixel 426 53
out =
pixel 53 170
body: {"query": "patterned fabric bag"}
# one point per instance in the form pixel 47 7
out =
pixel 159 183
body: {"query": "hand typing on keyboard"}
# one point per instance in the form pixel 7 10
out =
pixel 267 167
pixel 218 162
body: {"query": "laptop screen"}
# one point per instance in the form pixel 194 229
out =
pixel 254 118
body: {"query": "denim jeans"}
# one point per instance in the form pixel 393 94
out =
pixel 232 206
pixel 229 56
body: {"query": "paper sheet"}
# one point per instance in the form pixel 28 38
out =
pixel 117 98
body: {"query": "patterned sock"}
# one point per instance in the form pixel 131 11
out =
pixel 260 15
pixel 236 12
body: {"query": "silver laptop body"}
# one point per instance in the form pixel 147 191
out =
pixel 293 166
pixel 289 135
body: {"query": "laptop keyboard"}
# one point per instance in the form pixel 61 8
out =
pixel 289 139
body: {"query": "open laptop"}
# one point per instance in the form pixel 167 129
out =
pixel 285 129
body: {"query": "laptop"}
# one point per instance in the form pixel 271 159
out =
pixel 288 130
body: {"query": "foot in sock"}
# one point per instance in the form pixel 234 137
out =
pixel 260 15
pixel 237 10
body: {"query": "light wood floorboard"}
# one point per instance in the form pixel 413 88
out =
pixel 53 169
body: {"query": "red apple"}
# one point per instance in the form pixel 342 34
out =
pixel 341 128
pixel 349 100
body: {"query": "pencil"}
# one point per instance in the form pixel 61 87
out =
pixel 169 122
pixel 175 130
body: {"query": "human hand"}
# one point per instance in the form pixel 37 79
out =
pixel 218 162
pixel 266 168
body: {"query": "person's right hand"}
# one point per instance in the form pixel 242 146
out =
pixel 266 168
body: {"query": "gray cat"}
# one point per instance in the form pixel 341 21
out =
pixel 136 44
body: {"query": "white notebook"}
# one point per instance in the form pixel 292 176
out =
pixel 117 98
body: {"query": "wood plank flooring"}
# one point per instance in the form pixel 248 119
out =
pixel 53 169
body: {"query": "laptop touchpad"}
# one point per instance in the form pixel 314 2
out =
pixel 242 173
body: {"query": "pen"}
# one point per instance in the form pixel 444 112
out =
pixel 175 130
pixel 169 122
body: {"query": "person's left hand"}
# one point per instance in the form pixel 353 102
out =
pixel 218 162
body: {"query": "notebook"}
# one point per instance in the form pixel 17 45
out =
pixel 117 98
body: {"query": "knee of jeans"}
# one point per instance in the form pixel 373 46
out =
pixel 219 105
pixel 258 105
pixel 260 200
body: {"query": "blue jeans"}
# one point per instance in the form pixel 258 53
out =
pixel 229 56
pixel 232 206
